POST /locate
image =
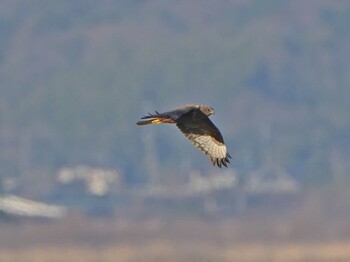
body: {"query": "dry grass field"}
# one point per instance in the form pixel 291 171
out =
pixel 181 239
pixel 317 228
pixel 159 250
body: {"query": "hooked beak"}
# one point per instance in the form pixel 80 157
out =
pixel 212 111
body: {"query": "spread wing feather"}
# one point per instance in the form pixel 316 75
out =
pixel 203 134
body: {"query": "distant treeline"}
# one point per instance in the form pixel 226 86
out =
pixel 77 75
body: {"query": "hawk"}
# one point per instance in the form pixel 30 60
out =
pixel 193 121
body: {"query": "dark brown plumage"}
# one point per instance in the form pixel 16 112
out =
pixel 193 121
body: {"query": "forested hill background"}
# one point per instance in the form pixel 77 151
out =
pixel 75 76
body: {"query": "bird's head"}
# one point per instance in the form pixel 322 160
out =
pixel 207 110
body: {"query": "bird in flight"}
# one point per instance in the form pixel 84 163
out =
pixel 193 121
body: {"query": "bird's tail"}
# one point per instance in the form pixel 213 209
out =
pixel 154 119
pixel 149 121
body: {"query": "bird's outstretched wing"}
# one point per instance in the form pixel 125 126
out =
pixel 202 133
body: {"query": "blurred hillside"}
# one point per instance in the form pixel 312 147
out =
pixel 76 76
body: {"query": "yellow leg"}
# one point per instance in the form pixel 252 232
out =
pixel 156 121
